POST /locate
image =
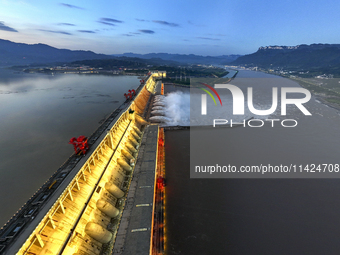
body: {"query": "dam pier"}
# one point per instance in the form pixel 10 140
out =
pixel 109 201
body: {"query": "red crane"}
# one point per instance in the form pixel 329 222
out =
pixel 80 144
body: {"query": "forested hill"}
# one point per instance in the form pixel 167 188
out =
pixel 12 53
pixel 302 57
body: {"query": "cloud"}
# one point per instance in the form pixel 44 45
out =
pixel 87 31
pixel 162 22
pixel 131 34
pixel 66 24
pixel 71 6
pixel 209 38
pixel 55 32
pixel 106 23
pixel 142 20
pixel 109 20
pixel 146 31
pixel 6 28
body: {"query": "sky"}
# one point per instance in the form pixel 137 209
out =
pixel 202 27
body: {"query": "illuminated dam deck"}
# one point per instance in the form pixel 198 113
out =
pixel 100 203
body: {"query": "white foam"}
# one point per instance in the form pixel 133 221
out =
pixel 177 108
pixel 158 112
pixel 158 108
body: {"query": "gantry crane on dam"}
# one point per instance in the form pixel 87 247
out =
pixel 88 204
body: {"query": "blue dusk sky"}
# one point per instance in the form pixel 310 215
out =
pixel 178 26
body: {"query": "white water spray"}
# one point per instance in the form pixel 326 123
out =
pixel 172 109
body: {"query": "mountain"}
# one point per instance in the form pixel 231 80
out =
pixel 184 59
pixel 302 57
pixel 12 53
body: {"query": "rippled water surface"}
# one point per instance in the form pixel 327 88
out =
pixel 254 216
pixel 38 116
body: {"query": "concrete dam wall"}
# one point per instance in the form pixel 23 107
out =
pixel 78 210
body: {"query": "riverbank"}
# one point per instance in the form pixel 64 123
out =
pixel 327 96
pixel 325 91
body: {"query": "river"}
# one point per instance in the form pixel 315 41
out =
pixel 254 215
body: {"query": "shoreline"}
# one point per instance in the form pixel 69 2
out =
pixel 322 100
pixel 318 97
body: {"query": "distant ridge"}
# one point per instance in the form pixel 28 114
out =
pixel 314 56
pixel 12 53
pixel 182 58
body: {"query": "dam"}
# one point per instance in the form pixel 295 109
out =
pixel 103 202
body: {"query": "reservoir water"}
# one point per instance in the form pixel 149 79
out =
pixel 38 116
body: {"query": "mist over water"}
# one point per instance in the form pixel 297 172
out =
pixel 178 108
pixel 172 109
pixel 184 108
